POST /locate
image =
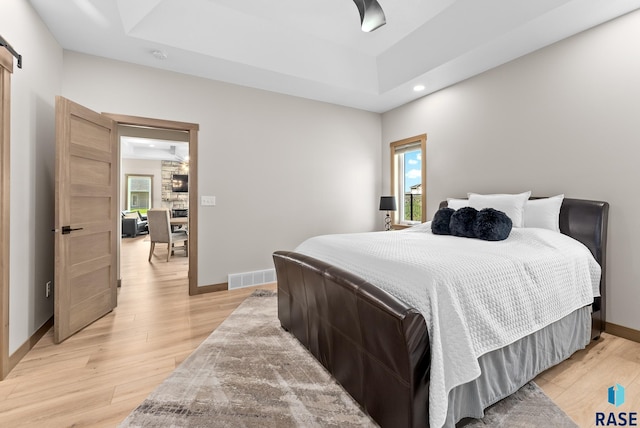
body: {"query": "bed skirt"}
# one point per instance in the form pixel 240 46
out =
pixel 531 355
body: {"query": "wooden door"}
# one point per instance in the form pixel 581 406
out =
pixel 85 217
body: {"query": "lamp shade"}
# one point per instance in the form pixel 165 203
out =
pixel 387 203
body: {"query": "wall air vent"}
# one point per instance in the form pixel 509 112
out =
pixel 249 279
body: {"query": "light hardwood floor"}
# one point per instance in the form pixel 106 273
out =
pixel 95 378
pixel 579 385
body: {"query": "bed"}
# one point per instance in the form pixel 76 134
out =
pixel 378 347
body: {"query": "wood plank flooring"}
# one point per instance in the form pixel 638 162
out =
pixel 579 385
pixel 95 378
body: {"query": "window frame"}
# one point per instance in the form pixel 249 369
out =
pixel 419 141
pixel 127 196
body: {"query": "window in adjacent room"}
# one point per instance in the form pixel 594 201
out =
pixel 408 179
pixel 139 192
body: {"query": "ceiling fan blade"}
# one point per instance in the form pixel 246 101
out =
pixel 371 14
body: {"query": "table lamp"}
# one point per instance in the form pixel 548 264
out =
pixel 387 203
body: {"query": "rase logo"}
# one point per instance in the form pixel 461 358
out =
pixel 615 396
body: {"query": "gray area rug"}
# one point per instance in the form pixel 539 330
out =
pixel 251 373
pixel 528 407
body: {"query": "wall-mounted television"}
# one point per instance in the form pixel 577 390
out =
pixel 180 183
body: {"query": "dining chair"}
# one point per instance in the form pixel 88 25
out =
pixel 160 232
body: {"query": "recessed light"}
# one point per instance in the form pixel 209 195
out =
pixel 418 88
pixel 158 54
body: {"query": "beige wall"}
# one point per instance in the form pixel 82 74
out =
pixel 565 119
pixel 33 90
pixel 282 168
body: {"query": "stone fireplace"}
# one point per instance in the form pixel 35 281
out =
pixel 173 200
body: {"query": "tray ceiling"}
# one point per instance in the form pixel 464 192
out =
pixel 315 48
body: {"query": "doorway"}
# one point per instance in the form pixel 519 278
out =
pixel 172 131
pixel 154 173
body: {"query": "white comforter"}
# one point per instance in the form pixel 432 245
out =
pixel 476 296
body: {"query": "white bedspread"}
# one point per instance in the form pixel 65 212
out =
pixel 476 296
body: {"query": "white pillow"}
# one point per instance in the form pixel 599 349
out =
pixel 511 205
pixel 543 213
pixel 456 204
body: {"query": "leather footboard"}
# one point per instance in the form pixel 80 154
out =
pixel 375 346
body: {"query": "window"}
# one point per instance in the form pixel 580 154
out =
pixel 408 179
pixel 139 195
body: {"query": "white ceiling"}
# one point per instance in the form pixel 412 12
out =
pixel 315 48
pixel 139 142
pixel 152 149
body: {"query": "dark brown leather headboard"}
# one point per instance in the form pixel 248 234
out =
pixel 586 221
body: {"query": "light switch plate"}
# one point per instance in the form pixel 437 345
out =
pixel 208 201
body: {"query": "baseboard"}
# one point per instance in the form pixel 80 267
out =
pixel 19 354
pixel 624 332
pixel 224 287
pixel 210 288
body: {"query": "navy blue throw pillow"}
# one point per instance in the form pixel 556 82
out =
pixel 461 223
pixel 440 222
pixel 492 225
